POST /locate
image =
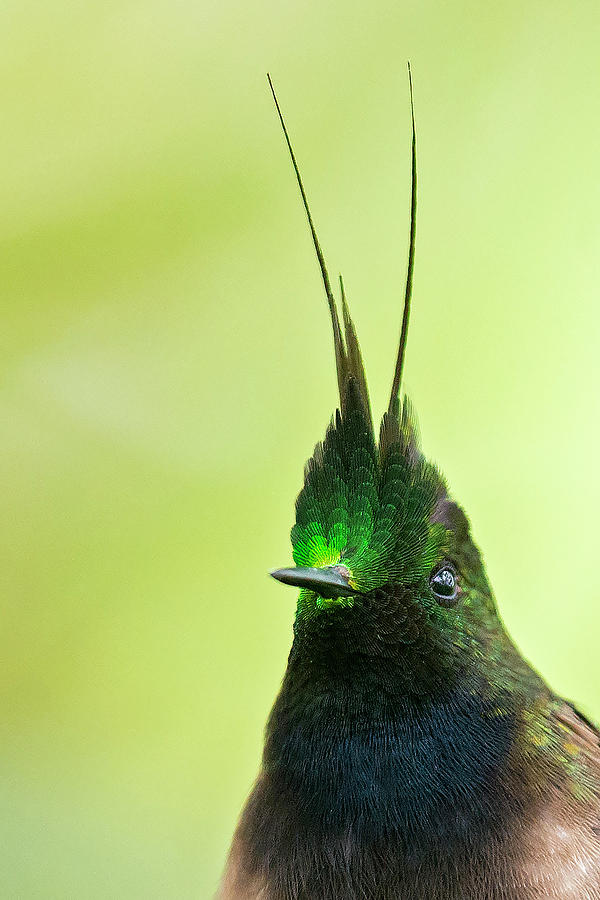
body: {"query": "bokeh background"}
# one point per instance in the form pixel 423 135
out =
pixel 167 367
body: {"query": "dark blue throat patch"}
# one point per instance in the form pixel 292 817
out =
pixel 432 771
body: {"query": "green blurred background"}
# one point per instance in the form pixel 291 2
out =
pixel 167 368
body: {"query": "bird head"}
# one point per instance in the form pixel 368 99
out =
pixel 381 550
pixel 383 555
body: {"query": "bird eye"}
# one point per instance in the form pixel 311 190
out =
pixel 444 584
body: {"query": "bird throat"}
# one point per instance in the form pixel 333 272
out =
pixel 358 759
pixel 367 771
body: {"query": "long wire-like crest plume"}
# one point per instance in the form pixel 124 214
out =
pixel 395 392
pixel 347 351
pixel 347 354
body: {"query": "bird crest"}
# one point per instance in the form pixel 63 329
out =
pixel 363 516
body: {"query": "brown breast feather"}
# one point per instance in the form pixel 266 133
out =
pixel 561 844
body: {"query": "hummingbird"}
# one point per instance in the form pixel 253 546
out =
pixel 412 752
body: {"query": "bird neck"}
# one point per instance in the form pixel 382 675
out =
pixel 357 757
pixel 400 740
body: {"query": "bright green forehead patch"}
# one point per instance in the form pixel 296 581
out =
pixel 369 507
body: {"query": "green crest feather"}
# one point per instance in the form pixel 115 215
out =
pixel 367 507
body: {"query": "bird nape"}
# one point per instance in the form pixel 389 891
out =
pixel 412 753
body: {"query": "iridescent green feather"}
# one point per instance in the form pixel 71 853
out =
pixel 367 510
